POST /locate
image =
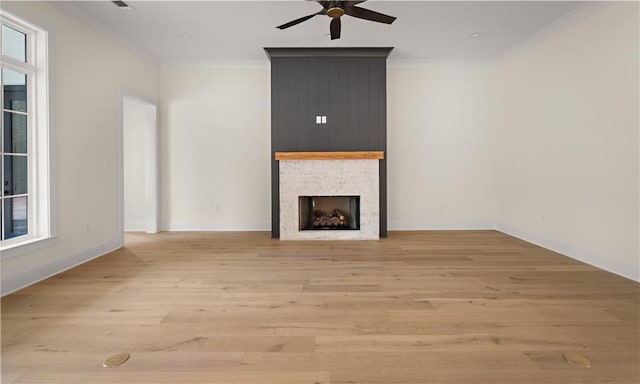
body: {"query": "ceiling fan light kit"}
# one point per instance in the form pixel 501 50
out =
pixel 336 9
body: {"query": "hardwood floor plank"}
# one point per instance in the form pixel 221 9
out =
pixel 379 361
pixel 498 341
pixel 225 377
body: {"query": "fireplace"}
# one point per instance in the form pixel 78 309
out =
pixel 348 87
pixel 329 213
pixel 317 188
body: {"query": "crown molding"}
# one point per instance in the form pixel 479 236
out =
pixel 328 52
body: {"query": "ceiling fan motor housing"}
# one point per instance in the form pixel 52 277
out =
pixel 335 12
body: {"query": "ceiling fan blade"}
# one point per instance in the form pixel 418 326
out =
pixel 298 21
pixel 352 3
pixel 335 28
pixel 367 14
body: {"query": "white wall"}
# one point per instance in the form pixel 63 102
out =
pixel 439 144
pixel 87 73
pixel 567 127
pixel 215 148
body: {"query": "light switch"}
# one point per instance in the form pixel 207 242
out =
pixel 318 119
pixel 324 119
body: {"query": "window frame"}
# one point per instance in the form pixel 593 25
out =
pixel 39 191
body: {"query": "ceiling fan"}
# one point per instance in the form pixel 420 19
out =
pixel 336 9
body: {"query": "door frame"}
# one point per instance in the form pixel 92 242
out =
pixel 152 164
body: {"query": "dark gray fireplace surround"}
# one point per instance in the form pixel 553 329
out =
pixel 348 87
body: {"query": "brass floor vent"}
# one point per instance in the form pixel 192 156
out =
pixel 116 360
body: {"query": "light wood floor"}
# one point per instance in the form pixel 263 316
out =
pixel 419 307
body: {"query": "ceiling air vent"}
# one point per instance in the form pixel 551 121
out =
pixel 121 4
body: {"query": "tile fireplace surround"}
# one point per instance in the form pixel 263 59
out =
pixel 329 174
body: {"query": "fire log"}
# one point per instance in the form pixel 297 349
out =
pixel 341 215
pixel 333 218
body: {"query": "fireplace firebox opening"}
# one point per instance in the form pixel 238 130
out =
pixel 329 213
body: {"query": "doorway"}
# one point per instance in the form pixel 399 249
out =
pixel 139 179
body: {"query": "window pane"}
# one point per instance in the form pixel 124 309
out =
pixel 14 44
pixel 15 133
pixel 15 175
pixel 15 90
pixel 15 217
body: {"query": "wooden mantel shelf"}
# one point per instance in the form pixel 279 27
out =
pixel 362 155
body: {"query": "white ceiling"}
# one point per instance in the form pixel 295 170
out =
pixel 238 30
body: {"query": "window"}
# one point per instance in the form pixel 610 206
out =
pixel 24 134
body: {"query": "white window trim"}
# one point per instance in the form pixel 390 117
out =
pixel 41 230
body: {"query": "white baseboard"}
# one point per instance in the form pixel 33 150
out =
pixel 600 261
pixel 134 226
pixel 215 226
pixel 418 225
pixel 37 274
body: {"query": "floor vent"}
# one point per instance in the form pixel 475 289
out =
pixel 116 360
